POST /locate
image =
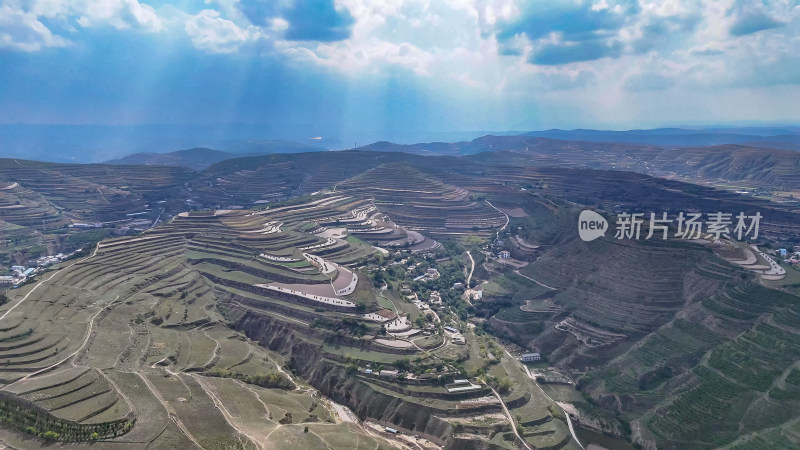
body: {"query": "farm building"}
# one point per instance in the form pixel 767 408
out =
pixel 504 254
pixel 530 357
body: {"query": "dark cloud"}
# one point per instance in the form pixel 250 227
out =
pixel 552 55
pixel 585 34
pixel 317 20
pixel 576 21
pixel 309 20
pixel 752 23
pixel 664 31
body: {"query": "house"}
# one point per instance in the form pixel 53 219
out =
pixel 458 285
pixel 451 329
pixel 18 269
pixel 28 272
pixel 388 373
pixel 368 371
pixel 783 252
pixel 461 381
pixel 86 225
pixel 432 273
pixel 530 357
pixel 504 254
pixel 459 340
pixel 6 281
pixel 390 430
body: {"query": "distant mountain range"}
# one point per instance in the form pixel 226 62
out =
pixel 787 138
pixel 200 158
pixel 95 143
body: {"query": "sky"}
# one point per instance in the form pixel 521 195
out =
pixel 385 65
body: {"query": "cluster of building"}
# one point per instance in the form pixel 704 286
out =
pixel 86 225
pixel 455 336
pixel 430 274
pixel 19 274
pixel 789 257
pixel 46 261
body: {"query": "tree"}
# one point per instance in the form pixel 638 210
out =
pixel 504 385
pixel 402 364
pixel 50 436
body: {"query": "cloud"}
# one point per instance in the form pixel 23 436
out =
pixel 751 17
pixel 366 56
pixel 22 24
pixel 20 30
pixel 210 32
pixel 557 54
pixel 318 20
pixel 753 23
pixel 575 21
pixel 120 14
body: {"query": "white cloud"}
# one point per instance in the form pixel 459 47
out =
pixel 20 30
pixel 601 5
pixel 214 34
pixel 370 56
pixel 120 14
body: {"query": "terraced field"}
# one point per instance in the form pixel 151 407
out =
pixel 423 203
pixel 207 332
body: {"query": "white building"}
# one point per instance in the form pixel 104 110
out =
pixel 527 357
pixel 504 254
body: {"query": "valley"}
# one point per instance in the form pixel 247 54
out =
pixel 364 300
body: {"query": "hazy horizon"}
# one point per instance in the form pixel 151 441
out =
pixel 354 65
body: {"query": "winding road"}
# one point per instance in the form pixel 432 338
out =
pixel 510 419
pixel 501 212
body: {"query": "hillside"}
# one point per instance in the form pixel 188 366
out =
pixel 225 312
pixel 195 158
pixel 744 165
pixel 319 270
